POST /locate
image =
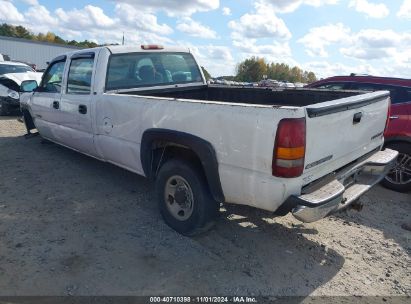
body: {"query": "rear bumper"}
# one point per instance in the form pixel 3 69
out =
pixel 343 190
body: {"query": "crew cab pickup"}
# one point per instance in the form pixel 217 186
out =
pixel 149 110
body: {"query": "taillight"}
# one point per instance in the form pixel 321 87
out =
pixel 289 149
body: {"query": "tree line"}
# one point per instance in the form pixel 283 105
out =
pixel 255 68
pixel 21 32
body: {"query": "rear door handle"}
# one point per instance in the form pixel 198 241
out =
pixel 82 109
pixel 56 104
pixel 393 117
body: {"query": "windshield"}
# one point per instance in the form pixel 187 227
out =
pixel 8 68
pixel 135 70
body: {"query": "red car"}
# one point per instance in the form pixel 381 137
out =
pixel 398 133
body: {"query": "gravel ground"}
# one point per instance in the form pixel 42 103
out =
pixel 71 225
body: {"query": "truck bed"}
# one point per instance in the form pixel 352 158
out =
pixel 262 96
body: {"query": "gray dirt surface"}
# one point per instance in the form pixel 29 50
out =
pixel 72 225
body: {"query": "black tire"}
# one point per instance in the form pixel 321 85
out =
pixel 200 214
pixel 28 120
pixel 392 181
pixel 3 109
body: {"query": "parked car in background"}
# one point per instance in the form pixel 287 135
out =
pixel 4 57
pixel 32 65
pixel 11 76
pixel 7 67
pixel 398 134
pixel 269 83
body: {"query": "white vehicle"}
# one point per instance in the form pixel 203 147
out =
pixel 11 76
pixel 149 110
pixel 269 83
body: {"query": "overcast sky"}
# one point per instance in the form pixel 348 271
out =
pixel 328 37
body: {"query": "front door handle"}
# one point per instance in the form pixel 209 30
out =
pixel 56 105
pixel 394 117
pixel 82 109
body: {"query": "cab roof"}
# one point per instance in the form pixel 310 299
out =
pixel 118 49
pixel 365 79
pixel 122 49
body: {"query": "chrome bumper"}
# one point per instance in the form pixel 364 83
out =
pixel 350 184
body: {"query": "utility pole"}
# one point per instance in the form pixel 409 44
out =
pixel 123 39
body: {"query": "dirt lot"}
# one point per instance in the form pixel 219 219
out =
pixel 70 224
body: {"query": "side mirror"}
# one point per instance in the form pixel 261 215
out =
pixel 28 86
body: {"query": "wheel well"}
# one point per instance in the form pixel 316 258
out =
pixel 158 145
pixel 164 151
pixel 398 140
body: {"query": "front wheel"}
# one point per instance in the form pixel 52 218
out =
pixel 184 199
pixel 3 109
pixel 399 178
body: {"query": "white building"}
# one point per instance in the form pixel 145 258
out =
pixel 36 52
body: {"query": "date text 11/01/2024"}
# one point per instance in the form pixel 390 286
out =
pixel 236 299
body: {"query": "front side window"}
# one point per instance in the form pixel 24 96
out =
pixel 79 76
pixel 126 71
pixel 53 78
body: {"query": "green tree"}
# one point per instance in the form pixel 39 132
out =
pixel 22 32
pixel 40 37
pixel 7 30
pixel 50 37
pixel 252 69
pixel 310 77
pixel 59 40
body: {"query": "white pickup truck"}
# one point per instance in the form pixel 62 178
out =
pixel 149 110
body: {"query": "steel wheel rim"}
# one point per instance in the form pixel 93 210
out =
pixel 401 173
pixel 179 198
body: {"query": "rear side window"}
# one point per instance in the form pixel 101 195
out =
pixel 366 87
pixel 79 76
pixel 126 71
pixel 398 94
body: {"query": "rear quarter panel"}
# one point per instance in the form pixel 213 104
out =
pixel 242 136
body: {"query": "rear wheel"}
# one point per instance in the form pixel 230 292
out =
pixel 184 199
pixel 399 178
